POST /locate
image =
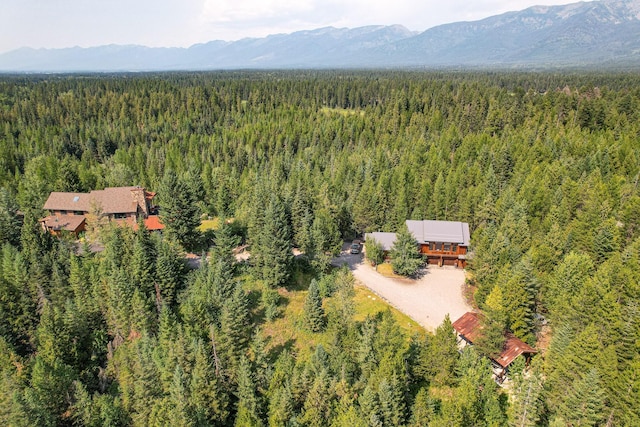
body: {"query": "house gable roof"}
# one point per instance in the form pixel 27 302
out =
pixel 385 239
pixel 59 201
pixel 468 326
pixel 116 199
pixel 111 200
pixel 71 223
pixel 439 231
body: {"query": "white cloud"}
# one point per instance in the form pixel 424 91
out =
pixel 250 10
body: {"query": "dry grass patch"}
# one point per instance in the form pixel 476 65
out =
pixel 386 269
pixel 342 111
pixel 289 330
pixel 369 304
pixel 209 224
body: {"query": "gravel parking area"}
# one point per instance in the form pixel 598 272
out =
pixel 426 300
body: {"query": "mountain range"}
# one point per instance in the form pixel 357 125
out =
pixel 603 33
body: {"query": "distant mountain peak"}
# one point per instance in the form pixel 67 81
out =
pixel 596 33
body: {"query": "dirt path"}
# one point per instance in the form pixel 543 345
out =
pixel 426 300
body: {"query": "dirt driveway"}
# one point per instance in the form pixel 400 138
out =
pixel 426 300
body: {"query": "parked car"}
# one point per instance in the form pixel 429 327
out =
pixel 356 247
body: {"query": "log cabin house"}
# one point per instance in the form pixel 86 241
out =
pixel 468 328
pixel 125 205
pixel 440 242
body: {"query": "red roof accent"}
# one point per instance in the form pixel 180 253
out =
pixel 469 327
pixel 153 223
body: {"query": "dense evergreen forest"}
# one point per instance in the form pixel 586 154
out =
pixel 544 167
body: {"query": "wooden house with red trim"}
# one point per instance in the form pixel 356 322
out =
pixel 441 242
pixel 124 205
pixel 469 329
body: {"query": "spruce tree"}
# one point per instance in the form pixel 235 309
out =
pixel 9 224
pixel 208 397
pixel 405 257
pixel 526 395
pixel 584 403
pixel 313 311
pixel 443 353
pixel 275 245
pixel 234 333
pixel 391 399
pixel 143 260
pixel 493 324
pixel 281 409
pixel 249 410
pixel 170 272
pixel 423 410
pixel 374 251
pixel 178 211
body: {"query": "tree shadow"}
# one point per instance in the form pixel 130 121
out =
pixel 276 350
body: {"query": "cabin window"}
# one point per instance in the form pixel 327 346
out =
pixel 432 246
pixel 119 216
pixel 454 247
pixel 78 213
pixel 447 247
pixel 438 246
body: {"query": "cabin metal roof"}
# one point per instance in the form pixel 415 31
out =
pixel 439 231
pixel 469 327
pixel 385 239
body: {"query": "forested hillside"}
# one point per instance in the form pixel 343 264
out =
pixel 544 168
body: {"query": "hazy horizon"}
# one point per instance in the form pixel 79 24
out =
pixel 171 23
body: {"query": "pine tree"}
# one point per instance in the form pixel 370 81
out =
pixel 584 403
pixel 170 273
pixel 374 251
pixel 313 311
pixel 9 224
pixel 493 325
pixel 526 397
pixel 392 405
pixel 318 405
pixel 143 261
pixel 178 211
pixel 442 353
pixel 275 245
pixel 423 410
pixel 234 333
pixel 208 397
pixel 405 257
pixel 281 408
pixel 248 413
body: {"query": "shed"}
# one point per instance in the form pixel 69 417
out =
pixel 469 329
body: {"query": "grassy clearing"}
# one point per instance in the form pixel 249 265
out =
pixel 209 224
pixel 289 331
pixel 369 304
pixel 386 269
pixel 342 111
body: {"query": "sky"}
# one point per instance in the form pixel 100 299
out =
pixel 182 23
